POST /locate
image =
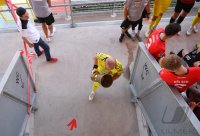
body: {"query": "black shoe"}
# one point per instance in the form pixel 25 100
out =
pixel 121 38
pixel 180 53
pixel 138 37
pixel 171 52
pixel 127 34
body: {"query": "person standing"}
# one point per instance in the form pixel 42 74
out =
pixel 133 10
pixel 45 16
pixel 31 35
pixel 182 8
pixel 105 64
pixel 195 23
pixel 159 8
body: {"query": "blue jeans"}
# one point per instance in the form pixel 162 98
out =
pixel 44 46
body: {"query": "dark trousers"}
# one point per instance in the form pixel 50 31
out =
pixel 139 23
pixel 44 46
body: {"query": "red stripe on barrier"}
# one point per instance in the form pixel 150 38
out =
pixel 12 6
pixel 30 72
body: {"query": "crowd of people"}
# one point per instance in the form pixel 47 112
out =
pixel 174 73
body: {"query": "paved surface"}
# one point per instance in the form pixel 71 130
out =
pixel 63 87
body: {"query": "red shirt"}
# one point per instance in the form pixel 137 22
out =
pixel 181 82
pixel 155 45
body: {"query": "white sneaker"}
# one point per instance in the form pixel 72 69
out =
pixel 133 33
pixel 179 33
pixel 91 96
pixel 147 34
pixel 48 40
pixel 195 28
pixel 52 34
pixel 189 31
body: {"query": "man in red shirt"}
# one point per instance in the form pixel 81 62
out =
pixel 184 79
pixel 156 41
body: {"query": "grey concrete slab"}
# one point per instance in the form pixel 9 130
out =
pixel 63 87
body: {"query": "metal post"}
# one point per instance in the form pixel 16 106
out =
pixel 67 17
pixel 113 10
pixel 71 14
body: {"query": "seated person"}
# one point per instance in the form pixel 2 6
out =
pixel 191 58
pixel 181 77
pixel 156 43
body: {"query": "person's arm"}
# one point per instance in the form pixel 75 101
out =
pixel 116 76
pixel 95 66
pixel 147 8
pixel 119 71
pixel 125 11
pixel 29 44
pixel 49 2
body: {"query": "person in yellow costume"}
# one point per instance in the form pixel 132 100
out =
pixel 195 23
pixel 159 8
pixel 105 64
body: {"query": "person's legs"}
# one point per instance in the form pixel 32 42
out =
pixel 139 29
pixel 50 27
pixel 140 25
pixel 156 11
pixel 134 24
pixel 177 11
pixel 157 20
pixel 187 57
pixel 196 22
pixel 164 5
pixel 124 29
pixel 45 30
pixel 152 22
pixel 94 89
pixel 193 93
pixel 46 48
pixel 49 21
pixel 37 50
pixel 196 19
pixel 185 10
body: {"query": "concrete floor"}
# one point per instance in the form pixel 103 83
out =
pixel 63 87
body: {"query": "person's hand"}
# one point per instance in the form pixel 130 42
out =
pixel 94 71
pixel 93 74
pixel 30 45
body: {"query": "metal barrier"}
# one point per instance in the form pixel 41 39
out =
pixel 75 8
pixel 14 98
pixel 164 109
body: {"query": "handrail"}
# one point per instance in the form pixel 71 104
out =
pixel 79 4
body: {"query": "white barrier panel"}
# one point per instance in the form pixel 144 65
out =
pixel 14 98
pixel 165 110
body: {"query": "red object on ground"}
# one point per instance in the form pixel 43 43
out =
pixel 72 124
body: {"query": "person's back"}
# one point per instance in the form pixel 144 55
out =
pixel 175 74
pixel 155 45
pixel 181 82
pixel 135 9
pixel 41 8
pixel 156 42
